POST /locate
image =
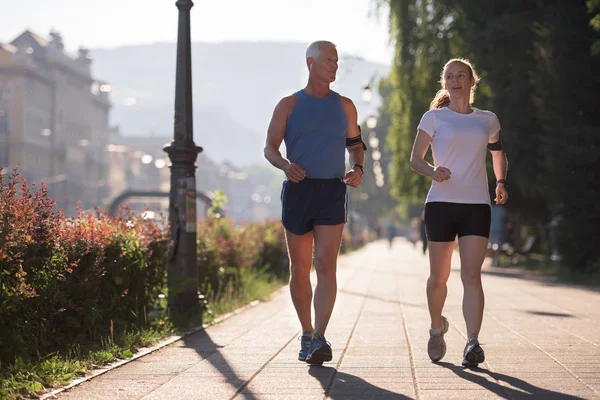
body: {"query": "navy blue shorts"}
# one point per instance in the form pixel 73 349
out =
pixel 443 221
pixel 313 202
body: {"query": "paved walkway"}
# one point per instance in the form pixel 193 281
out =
pixel 541 340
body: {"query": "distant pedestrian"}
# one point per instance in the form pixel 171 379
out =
pixel 392 232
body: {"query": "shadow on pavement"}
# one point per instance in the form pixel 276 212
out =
pixel 371 297
pixel 547 280
pixel 209 350
pixel 339 385
pixel 518 273
pixel 519 388
pixel 550 314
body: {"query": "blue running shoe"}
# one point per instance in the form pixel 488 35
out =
pixel 319 351
pixel 473 354
pixel 304 346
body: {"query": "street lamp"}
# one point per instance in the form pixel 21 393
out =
pixel 182 278
pixel 160 163
pixel 373 142
pixel 372 122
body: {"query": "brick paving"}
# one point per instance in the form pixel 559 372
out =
pixel 542 340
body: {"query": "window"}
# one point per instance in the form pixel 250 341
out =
pixel 4 133
pixel 3 122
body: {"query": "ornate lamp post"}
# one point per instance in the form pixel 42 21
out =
pixel 183 265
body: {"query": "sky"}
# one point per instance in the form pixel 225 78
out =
pixel 354 25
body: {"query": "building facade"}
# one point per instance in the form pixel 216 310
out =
pixel 54 119
pixel 138 163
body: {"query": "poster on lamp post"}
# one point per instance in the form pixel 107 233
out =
pixel 190 204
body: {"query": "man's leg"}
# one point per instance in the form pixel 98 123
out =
pixel 300 254
pixel 328 239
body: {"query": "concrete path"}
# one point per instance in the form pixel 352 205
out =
pixel 542 340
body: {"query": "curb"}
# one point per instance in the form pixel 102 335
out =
pixel 170 340
pixel 149 350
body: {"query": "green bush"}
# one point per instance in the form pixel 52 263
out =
pixel 227 253
pixel 67 281
pixel 75 292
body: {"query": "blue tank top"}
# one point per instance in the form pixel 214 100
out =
pixel 315 135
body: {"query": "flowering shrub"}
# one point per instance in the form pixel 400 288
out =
pixel 74 281
pixel 66 281
pixel 227 252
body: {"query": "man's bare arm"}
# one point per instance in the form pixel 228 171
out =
pixel 275 135
pixel 276 132
pixel 356 152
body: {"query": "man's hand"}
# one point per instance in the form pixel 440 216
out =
pixel 441 174
pixel 353 177
pixel 501 194
pixel 294 173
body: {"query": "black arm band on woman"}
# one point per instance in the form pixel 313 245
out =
pixel 496 146
pixel 355 140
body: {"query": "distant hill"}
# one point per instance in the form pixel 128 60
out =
pixel 235 87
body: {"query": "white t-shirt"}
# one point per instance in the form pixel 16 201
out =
pixel 459 143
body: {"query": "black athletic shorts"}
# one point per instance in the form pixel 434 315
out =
pixel 443 221
pixel 313 202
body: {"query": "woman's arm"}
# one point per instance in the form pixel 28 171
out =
pixel 500 164
pixel 418 163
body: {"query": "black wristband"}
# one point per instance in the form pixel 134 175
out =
pixel 503 181
pixel 362 169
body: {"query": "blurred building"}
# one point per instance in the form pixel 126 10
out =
pixel 139 163
pixel 54 125
pixel 54 119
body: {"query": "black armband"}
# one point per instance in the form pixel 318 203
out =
pixel 356 140
pixel 496 146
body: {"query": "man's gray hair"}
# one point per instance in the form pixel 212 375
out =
pixel 314 47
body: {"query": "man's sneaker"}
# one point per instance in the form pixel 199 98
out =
pixel 319 351
pixel 473 354
pixel 436 347
pixel 304 346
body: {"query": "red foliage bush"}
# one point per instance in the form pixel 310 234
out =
pixel 62 281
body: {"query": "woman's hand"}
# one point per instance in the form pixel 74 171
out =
pixel 501 194
pixel 441 174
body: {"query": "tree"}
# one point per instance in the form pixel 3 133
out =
pixel 425 39
pixel 369 200
pixel 538 76
pixel 594 7
pixel 545 89
pixel 500 36
pixel 566 91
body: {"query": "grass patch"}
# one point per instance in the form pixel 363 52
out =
pixel 256 285
pixel 562 273
pixel 26 379
pixel 539 265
